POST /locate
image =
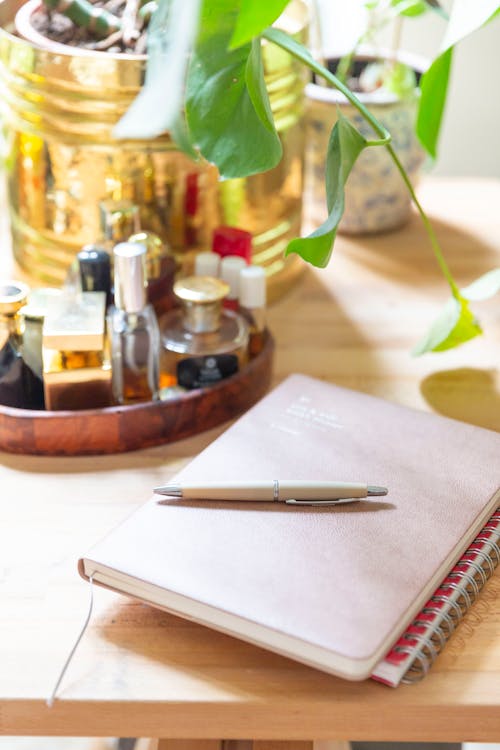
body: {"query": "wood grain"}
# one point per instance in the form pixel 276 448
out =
pixel 125 428
pixel 140 672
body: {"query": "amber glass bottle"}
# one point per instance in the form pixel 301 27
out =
pixel 133 327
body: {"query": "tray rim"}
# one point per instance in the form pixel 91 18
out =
pixel 259 368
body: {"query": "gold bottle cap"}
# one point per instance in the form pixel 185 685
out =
pixel 201 290
pixel 13 295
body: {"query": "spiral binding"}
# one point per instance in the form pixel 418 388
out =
pixel 424 639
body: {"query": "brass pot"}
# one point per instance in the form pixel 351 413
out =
pixel 60 105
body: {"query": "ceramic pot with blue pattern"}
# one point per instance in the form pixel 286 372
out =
pixel 376 198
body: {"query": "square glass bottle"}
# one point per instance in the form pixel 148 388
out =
pixel 75 351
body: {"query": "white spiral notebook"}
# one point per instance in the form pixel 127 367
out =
pixel 358 590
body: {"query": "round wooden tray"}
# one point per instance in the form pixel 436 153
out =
pixel 125 428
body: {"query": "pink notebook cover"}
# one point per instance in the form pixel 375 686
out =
pixel 333 588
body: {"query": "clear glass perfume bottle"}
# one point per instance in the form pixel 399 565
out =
pixel 19 386
pixel 133 329
pixel 202 343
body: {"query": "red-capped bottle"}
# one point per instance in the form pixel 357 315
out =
pixel 232 241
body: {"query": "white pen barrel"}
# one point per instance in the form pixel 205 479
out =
pixel 253 492
pixel 307 490
pixel 273 490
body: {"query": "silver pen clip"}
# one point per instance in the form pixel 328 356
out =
pixel 324 503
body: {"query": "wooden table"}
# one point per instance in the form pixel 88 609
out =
pixel 143 673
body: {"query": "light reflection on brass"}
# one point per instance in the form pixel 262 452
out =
pixel 58 113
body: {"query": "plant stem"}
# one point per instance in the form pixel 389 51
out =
pixel 427 224
pixel 302 54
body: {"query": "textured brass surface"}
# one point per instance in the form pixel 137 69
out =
pixel 59 111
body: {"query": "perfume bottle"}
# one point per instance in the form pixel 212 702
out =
pixel 95 270
pixel 33 315
pixel 232 241
pixel 133 327
pixel 202 343
pixel 207 264
pixel 253 305
pixel 75 352
pixel 160 271
pixel 19 385
pixel 119 220
pixel 230 268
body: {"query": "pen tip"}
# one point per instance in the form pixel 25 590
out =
pixel 174 490
pixel 373 490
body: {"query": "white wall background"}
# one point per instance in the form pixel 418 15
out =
pixel 470 136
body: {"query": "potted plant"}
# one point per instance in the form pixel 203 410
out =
pixel 386 80
pixel 224 78
pixel 66 80
pixel 215 100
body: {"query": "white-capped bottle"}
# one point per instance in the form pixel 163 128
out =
pixel 207 264
pixel 230 268
pixel 253 305
pixel 133 327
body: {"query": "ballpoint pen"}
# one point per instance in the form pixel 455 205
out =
pixel 289 491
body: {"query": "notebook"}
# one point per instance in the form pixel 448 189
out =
pixel 334 588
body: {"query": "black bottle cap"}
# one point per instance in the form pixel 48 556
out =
pixel 95 269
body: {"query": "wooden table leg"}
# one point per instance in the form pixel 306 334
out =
pixel 166 744
pixel 300 745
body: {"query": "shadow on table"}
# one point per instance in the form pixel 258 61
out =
pixel 319 337
pixel 468 394
pixel 224 662
pixel 399 254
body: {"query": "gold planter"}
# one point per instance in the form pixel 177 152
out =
pixel 59 109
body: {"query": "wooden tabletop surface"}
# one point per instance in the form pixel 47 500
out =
pixel 142 672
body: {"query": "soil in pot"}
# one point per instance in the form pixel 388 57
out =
pixel 61 29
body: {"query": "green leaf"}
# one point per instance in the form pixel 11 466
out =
pixel 455 325
pixel 171 33
pixel 180 134
pixel 409 7
pixel 256 85
pixel 484 287
pixel 433 87
pixel 401 80
pixel 227 106
pixel 254 17
pixel 465 18
pixel 345 145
